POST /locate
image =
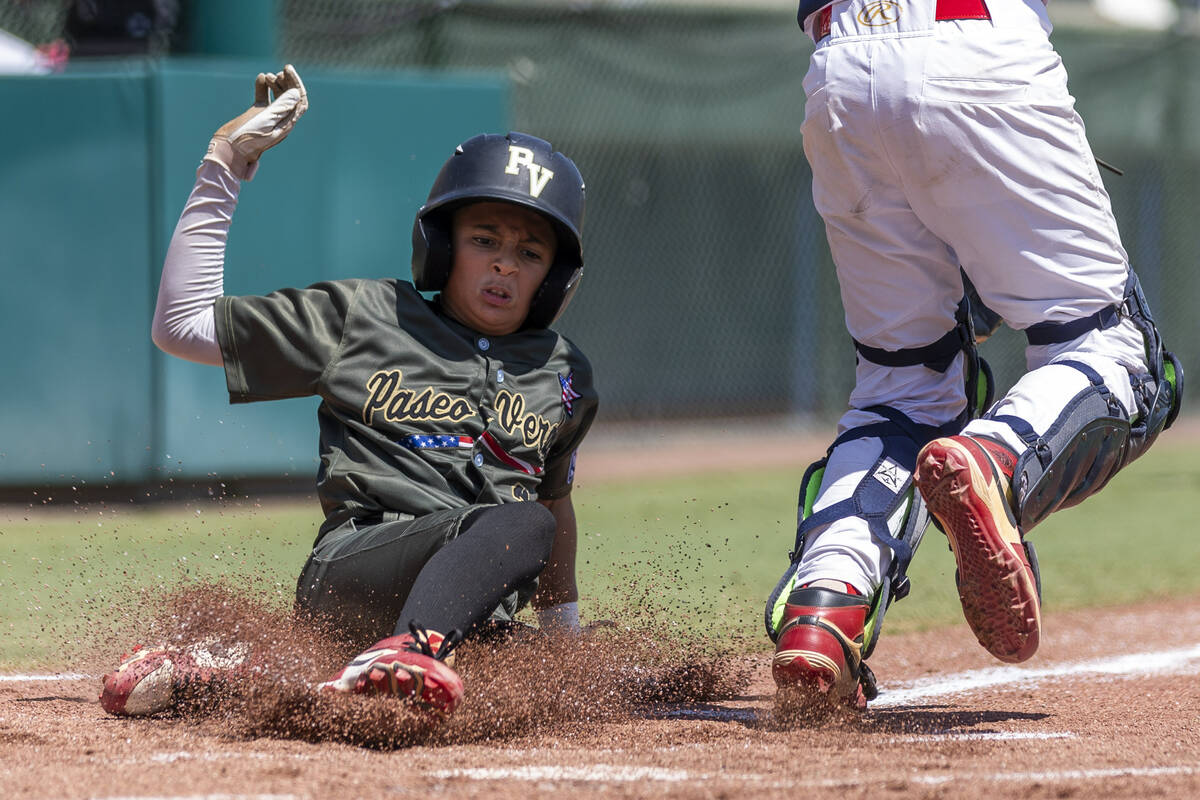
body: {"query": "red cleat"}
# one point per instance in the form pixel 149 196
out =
pixel 154 679
pixel 967 484
pixel 818 653
pixel 416 666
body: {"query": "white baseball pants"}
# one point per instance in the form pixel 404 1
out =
pixel 940 144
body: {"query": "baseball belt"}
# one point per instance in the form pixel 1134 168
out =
pixel 945 10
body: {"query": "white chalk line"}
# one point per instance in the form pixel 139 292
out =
pixel 591 773
pixel 179 756
pixel 1167 662
pixel 618 774
pixel 62 676
pixel 615 773
pixel 1183 660
pixel 1064 775
pixel 983 736
pixel 183 755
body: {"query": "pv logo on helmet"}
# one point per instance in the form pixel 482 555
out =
pixel 539 176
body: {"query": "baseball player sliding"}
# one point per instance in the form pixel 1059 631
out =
pixel 448 426
pixel 941 135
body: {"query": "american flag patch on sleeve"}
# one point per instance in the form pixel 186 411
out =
pixel 569 395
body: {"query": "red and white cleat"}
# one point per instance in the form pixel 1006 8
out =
pixel 818 653
pixel 154 679
pixel 415 666
pixel 966 482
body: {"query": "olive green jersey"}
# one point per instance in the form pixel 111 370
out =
pixel 418 413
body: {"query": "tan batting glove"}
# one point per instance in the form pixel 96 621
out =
pixel 238 143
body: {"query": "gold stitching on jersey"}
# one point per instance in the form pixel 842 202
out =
pixel 535 430
pixel 398 403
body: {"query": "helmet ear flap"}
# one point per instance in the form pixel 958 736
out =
pixel 552 297
pixel 432 253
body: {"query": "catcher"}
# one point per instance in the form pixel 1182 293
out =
pixel 448 427
pixel 944 141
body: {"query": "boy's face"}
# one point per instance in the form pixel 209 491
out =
pixel 502 253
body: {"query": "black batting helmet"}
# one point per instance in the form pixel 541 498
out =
pixel 514 168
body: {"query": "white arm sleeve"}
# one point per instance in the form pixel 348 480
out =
pixel 193 275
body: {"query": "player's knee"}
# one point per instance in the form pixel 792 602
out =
pixel 528 525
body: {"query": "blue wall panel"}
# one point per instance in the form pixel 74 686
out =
pixel 94 179
pixel 75 402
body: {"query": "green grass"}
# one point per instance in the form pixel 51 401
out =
pixel 698 554
pixel 73 576
pixel 729 536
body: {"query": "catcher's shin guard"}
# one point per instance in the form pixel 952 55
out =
pixel 885 498
pixel 414 665
pixel 819 651
pixel 1090 441
pixel 966 482
pixel 1094 437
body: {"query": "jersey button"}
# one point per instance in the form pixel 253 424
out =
pixel 499 376
pixel 483 343
pixel 478 459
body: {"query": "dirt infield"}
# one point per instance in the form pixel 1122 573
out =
pixel 1108 708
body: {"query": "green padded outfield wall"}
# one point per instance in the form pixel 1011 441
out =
pixel 94 179
pixel 709 292
pixel 75 178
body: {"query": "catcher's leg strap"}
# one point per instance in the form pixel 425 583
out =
pixel 1063 332
pixel 938 356
pixel 1094 437
pixel 1159 391
pixel 1088 443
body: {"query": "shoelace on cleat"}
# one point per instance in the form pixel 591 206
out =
pixel 420 643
